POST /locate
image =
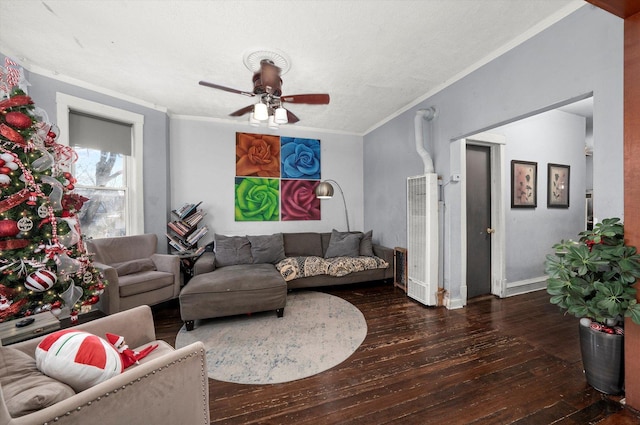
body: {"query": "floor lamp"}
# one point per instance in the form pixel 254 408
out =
pixel 325 191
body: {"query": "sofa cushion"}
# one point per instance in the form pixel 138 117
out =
pixel 25 389
pixel 139 283
pixel 232 250
pixel 134 266
pixel 366 244
pixel 343 244
pixel 303 244
pixel 267 248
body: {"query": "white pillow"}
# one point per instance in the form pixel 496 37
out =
pixel 79 359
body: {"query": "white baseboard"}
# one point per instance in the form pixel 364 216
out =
pixel 526 285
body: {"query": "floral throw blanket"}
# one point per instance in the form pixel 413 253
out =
pixel 296 267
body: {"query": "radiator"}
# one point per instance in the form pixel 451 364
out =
pixel 422 238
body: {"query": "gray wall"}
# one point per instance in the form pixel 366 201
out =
pixel 551 137
pixel 203 165
pixel 579 55
pixel 156 144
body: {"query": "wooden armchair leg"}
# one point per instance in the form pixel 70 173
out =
pixel 189 325
pixel 280 312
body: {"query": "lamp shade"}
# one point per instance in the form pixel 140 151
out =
pixel 272 123
pixel 253 122
pixel 324 190
pixel 281 116
pixel 260 112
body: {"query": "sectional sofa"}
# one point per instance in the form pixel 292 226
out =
pixel 248 274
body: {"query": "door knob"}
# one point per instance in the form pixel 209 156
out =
pixel 490 230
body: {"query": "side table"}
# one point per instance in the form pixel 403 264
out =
pixel 187 261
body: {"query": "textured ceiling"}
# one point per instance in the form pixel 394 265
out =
pixel 375 58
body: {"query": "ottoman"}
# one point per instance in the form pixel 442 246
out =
pixel 231 290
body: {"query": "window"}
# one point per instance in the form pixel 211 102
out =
pixel 108 142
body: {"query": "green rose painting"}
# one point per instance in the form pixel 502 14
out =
pixel 257 199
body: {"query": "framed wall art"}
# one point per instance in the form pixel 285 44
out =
pixel 558 186
pixel 276 178
pixel 524 184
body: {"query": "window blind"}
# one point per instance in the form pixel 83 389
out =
pixel 93 132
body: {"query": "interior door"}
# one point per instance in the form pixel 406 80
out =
pixel 479 231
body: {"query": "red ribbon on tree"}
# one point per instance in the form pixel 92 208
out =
pixel 14 200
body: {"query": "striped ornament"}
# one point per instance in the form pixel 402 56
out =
pixel 40 280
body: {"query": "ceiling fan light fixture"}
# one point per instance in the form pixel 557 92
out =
pixel 260 112
pixel 253 122
pixel 281 115
pixel 272 124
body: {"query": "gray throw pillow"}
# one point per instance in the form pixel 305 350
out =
pixel 267 248
pixel 343 244
pixel 366 245
pixel 25 389
pixel 232 250
pixel 134 266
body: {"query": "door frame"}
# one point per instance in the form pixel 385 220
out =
pixel 496 143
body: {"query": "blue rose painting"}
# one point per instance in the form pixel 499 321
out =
pixel 300 158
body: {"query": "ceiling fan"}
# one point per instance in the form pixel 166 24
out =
pixel 267 87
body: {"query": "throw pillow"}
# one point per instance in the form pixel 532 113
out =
pixel 366 244
pixel 24 388
pixel 134 266
pixel 79 359
pixel 343 244
pixel 267 248
pixel 232 250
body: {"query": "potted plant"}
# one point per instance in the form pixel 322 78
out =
pixel 593 279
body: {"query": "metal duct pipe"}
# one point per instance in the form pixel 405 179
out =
pixel 422 115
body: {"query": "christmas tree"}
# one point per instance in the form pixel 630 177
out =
pixel 44 265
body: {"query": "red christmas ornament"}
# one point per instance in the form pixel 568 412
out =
pixel 18 120
pixel 8 228
pixel 33 197
pixel 40 280
pixel 5 170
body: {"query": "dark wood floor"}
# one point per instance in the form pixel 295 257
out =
pixel 510 361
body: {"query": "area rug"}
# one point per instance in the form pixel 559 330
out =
pixel 318 331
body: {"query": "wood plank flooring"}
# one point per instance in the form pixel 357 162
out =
pixel 509 361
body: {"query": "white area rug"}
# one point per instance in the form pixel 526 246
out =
pixel 318 331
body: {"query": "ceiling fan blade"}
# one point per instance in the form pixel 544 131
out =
pixel 311 99
pixel 230 90
pixel 241 112
pixel 291 117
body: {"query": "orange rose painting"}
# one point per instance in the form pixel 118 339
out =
pixel 257 155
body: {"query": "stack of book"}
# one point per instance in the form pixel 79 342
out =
pixel 186 226
pixel 193 238
pixel 186 210
pixel 186 233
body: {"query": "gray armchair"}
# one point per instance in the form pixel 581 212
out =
pixel 135 272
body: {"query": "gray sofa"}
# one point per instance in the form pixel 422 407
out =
pixel 249 274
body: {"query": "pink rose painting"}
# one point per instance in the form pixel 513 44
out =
pixel 298 200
